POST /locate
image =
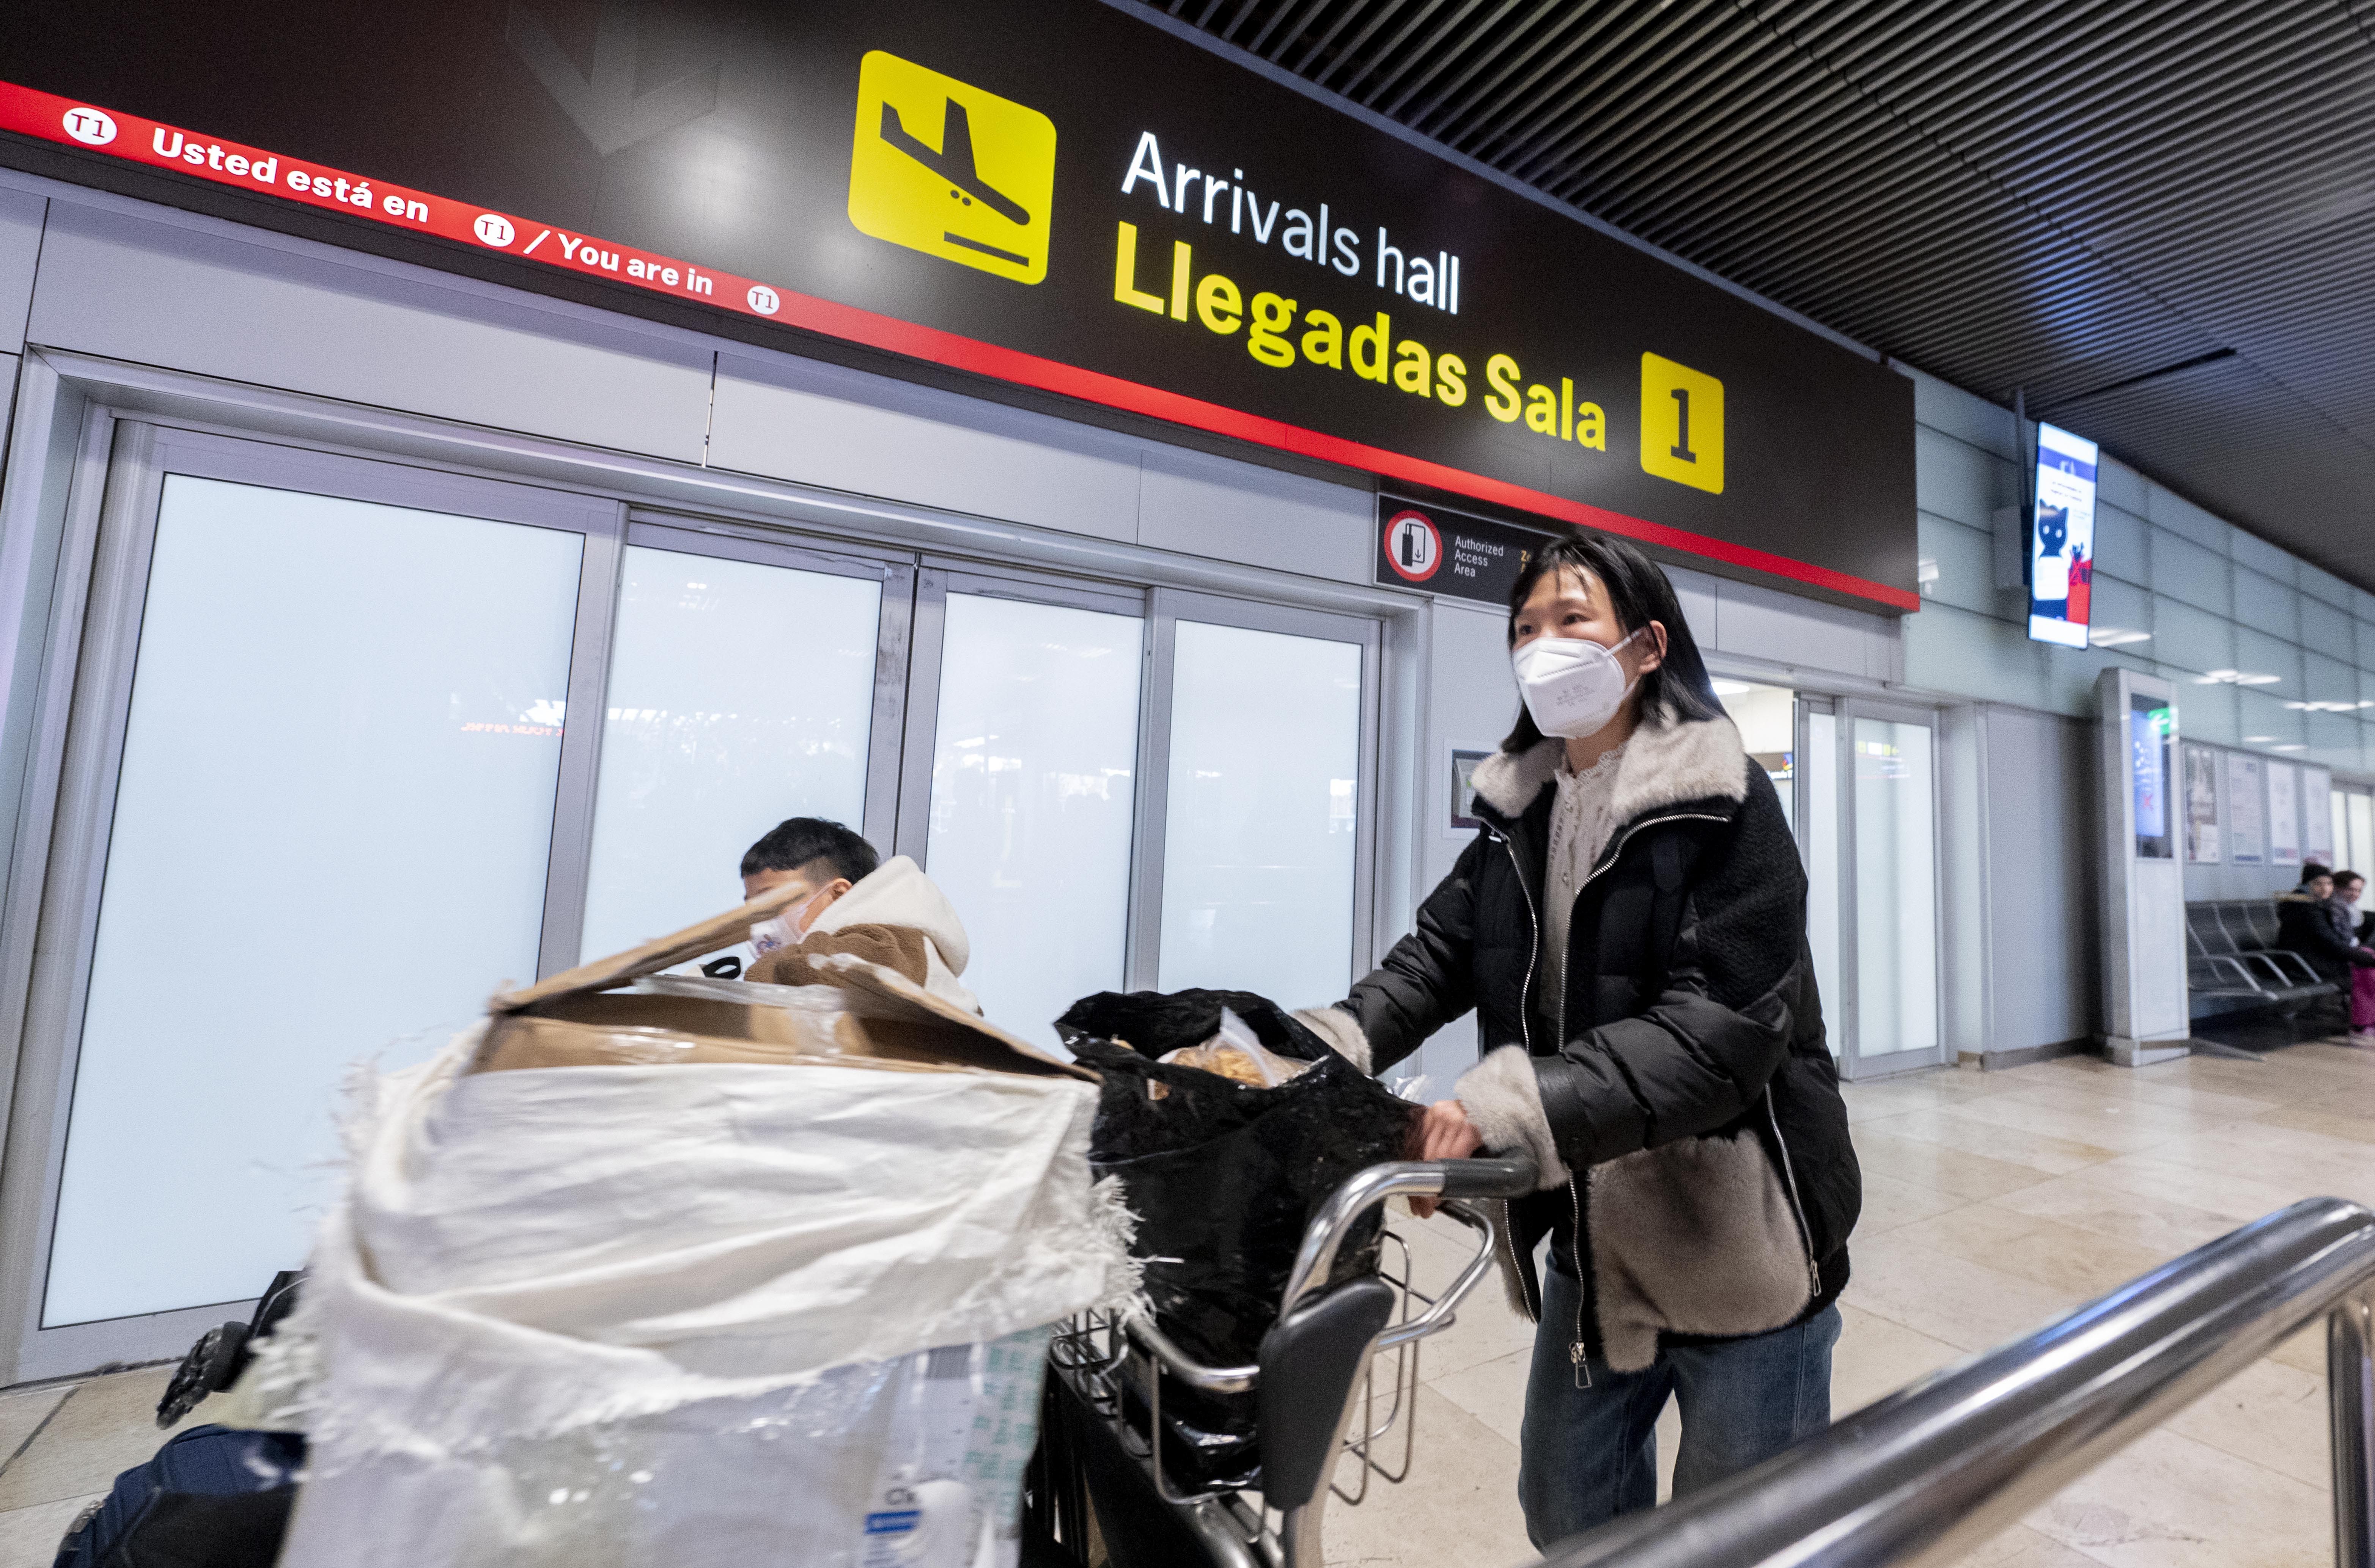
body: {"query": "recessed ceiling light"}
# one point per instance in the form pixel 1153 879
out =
pixel 2116 637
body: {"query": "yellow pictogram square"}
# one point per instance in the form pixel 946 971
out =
pixel 951 170
pixel 1682 424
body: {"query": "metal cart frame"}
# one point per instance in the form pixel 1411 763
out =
pixel 1316 1373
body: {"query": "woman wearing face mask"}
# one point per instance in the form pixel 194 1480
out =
pixel 1630 928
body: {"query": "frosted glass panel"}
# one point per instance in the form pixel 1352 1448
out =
pixel 330 832
pixel 1822 848
pixel 1034 761
pixel 1766 717
pixel 1259 842
pixel 1896 890
pixel 740 695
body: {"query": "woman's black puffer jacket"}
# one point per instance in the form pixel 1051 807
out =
pixel 1709 1183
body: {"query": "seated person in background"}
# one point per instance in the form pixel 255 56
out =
pixel 2343 910
pixel 2305 925
pixel 886 911
pixel 2348 886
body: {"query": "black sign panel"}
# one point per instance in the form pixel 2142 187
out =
pixel 1063 196
pixel 1423 545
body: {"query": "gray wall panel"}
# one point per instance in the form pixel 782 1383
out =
pixel 1202 505
pixel 1768 624
pixel 2042 940
pixel 2122 545
pixel 1955 479
pixel 1471 700
pixel 20 246
pixel 849 430
pixel 1700 607
pixel 196 299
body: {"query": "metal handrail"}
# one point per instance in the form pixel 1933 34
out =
pixel 1933 1470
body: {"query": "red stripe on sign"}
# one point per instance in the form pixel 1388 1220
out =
pixel 135 140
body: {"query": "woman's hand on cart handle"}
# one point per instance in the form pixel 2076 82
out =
pixel 1445 1133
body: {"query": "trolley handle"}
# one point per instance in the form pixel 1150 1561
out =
pixel 1399 1178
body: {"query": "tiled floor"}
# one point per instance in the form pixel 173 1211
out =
pixel 1993 1203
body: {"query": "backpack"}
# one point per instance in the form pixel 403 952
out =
pixel 211 1498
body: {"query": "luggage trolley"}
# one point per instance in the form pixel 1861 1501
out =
pixel 1315 1387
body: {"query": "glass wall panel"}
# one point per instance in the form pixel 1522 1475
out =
pixel 1822 847
pixel 330 832
pixel 1896 892
pixel 739 695
pixel 1034 759
pixel 1260 835
pixel 1767 719
pixel 2362 831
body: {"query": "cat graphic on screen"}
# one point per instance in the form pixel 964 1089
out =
pixel 2051 583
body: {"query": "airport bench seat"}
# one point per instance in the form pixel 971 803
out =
pixel 2234 965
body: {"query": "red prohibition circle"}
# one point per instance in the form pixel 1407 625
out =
pixel 1434 542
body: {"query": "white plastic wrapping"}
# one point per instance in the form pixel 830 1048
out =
pixel 688 1315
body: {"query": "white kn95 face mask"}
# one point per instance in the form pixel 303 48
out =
pixel 1573 687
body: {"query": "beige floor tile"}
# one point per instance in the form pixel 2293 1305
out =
pixel 2310 1117
pixel 2271 1414
pixel 1494 1392
pixel 2169 1084
pixel 21 1415
pixel 2167 1107
pixel 1922 1092
pixel 1889 1203
pixel 1459 1505
pixel 1875 1357
pixel 2047 1251
pixel 2170 1501
pixel 2101 1122
pixel 1964 1304
pixel 2305 1351
pixel 106 1426
pixel 2157 1225
pixel 2237 1199
pixel 2054 1156
pixel 2309 1164
pixel 1486 1330
pixel 2021 1547
pixel 1970 1176
pixel 28 1537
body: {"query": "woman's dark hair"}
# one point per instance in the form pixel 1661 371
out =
pixel 1639 593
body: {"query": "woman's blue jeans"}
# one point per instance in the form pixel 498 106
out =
pixel 1589 1453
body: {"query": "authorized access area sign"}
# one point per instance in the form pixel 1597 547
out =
pixel 1064 196
pixel 1450 553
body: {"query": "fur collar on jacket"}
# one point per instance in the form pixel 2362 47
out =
pixel 1668 762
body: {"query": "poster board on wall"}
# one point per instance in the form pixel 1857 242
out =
pixel 2284 814
pixel 2202 791
pixel 2247 809
pixel 2317 815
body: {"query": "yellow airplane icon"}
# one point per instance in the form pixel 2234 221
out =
pixel 995 162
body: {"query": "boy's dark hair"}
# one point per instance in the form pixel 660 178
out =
pixel 1639 593
pixel 800 842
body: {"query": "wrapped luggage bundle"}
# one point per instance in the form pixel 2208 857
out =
pixel 645 1269
pixel 1225 1147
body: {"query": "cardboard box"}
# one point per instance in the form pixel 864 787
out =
pixel 849 1012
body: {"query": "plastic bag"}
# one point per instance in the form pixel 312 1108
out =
pixel 1235 1052
pixel 1223 1177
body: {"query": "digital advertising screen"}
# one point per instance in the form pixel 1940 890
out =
pixel 2151 727
pixel 2061 538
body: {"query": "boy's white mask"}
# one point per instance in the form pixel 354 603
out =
pixel 786 930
